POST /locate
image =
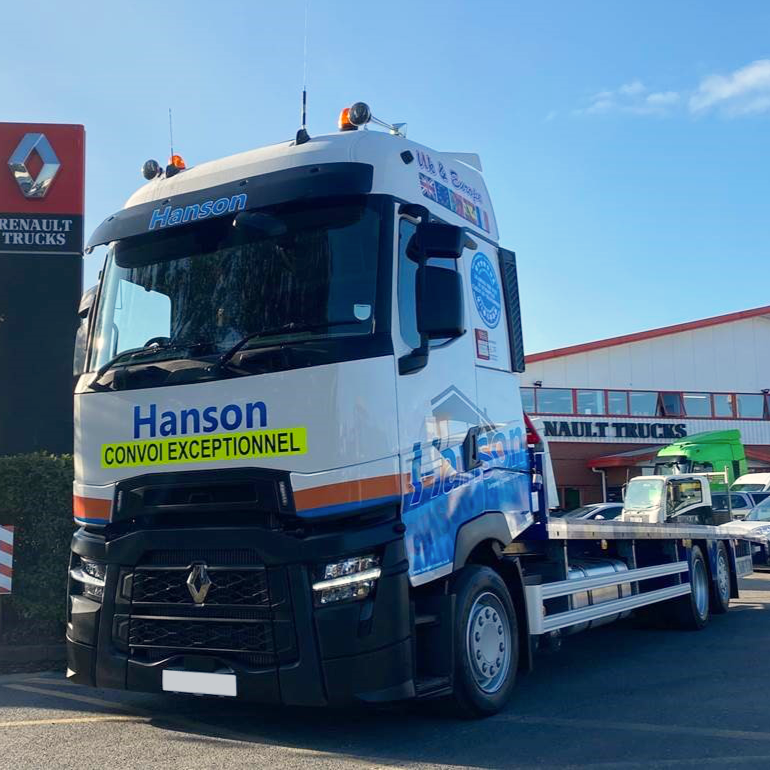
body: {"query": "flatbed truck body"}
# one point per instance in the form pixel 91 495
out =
pixel 303 473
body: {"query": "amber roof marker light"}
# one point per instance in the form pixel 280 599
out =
pixel 359 115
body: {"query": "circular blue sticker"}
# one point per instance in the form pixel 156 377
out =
pixel 486 290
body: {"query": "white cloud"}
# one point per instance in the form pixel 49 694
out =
pixel 745 91
pixel 663 98
pixel 742 92
pixel 630 98
pixel 599 105
pixel 550 116
pixel 634 88
pixel 602 96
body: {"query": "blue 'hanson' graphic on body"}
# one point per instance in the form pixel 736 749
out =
pixel 169 217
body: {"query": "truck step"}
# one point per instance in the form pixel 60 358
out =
pixel 425 620
pixel 433 687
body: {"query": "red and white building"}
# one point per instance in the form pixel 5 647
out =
pixel 609 406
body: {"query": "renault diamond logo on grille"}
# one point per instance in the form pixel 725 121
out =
pixel 17 163
pixel 199 583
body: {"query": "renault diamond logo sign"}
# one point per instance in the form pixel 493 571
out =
pixel 34 188
pixel 199 583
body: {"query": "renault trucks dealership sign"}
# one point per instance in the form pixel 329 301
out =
pixel 42 183
pixel 650 430
pixel 41 188
pixel 590 429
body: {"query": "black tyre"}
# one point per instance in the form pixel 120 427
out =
pixel 486 642
pixel 720 585
pixel 692 611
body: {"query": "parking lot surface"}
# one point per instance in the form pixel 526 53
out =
pixel 615 697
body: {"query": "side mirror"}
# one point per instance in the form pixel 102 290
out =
pixel 440 302
pixel 81 336
pixel 436 240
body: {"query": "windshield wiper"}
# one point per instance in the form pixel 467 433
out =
pixel 292 326
pixel 131 353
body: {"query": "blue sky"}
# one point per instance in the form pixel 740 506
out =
pixel 626 146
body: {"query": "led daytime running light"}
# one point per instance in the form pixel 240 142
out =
pixel 346 580
pixel 82 577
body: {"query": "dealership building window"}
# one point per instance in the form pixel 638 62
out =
pixel 697 404
pixel 554 401
pixel 645 403
pixel 617 402
pixel 751 405
pixel 590 401
pixel 723 405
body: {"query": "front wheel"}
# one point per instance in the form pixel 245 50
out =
pixel 486 642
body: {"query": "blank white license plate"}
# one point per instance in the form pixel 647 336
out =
pixel 199 683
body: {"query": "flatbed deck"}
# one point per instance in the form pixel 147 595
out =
pixel 561 529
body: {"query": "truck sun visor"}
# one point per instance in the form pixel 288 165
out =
pixel 316 181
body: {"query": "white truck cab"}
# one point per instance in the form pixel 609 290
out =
pixel 660 499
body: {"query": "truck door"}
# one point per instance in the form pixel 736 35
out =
pixel 436 411
pixel 495 329
pixel 457 461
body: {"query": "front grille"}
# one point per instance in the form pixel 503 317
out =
pixel 231 557
pixel 228 586
pixel 246 616
pixel 194 635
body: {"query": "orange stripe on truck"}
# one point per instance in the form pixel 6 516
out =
pixel 6 547
pixel 7 571
pixel 348 492
pixel 91 508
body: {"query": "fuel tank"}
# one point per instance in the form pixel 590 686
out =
pixel 591 568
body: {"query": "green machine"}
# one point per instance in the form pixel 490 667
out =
pixel 709 452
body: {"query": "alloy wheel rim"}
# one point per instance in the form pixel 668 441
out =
pixel 488 642
pixel 723 576
pixel 700 588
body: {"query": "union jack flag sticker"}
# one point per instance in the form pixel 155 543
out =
pixel 428 187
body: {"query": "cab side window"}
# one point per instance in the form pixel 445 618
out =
pixel 407 286
pixel 407 290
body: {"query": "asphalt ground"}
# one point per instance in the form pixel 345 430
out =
pixel 614 697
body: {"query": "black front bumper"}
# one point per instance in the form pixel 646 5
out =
pixel 299 654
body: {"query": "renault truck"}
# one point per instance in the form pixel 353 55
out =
pixel 302 470
pixel 714 451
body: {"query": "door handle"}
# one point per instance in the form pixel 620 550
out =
pixel 471 457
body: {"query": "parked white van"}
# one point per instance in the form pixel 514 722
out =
pixel 752 482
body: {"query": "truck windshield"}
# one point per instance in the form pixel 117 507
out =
pixel 644 493
pixel 672 466
pixel 288 272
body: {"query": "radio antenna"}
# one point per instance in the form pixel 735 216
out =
pixel 302 134
pixel 170 133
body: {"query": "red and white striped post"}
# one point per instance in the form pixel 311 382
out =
pixel 6 565
pixel 6 559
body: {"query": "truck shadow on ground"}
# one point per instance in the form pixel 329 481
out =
pixel 606 673
pixel 602 698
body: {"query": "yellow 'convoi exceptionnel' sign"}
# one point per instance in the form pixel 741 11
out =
pixel 198 449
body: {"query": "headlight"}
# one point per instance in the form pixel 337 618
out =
pixel 91 576
pixel 350 579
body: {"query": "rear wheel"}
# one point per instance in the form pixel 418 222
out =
pixel 720 594
pixel 692 611
pixel 486 642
